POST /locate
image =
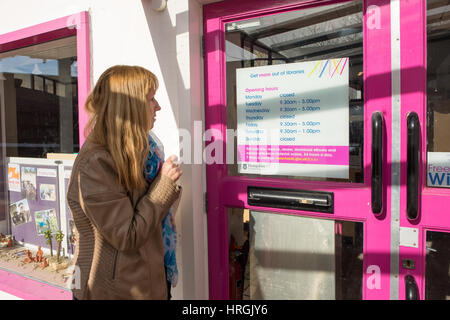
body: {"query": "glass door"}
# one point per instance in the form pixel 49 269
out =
pixel 425 109
pixel 297 111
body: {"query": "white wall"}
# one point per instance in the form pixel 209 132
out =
pixel 169 44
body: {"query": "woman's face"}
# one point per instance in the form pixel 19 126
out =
pixel 153 107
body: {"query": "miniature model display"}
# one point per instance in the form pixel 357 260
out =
pixel 34 264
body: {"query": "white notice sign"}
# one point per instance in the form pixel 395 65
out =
pixel 46 172
pixel 293 119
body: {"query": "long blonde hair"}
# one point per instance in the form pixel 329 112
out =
pixel 119 119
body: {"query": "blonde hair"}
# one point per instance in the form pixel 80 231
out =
pixel 119 119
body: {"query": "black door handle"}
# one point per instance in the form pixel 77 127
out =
pixel 377 162
pixel 412 166
pixel 411 289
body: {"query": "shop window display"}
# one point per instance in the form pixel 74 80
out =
pixel 39 122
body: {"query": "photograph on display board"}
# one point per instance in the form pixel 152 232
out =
pixel 14 177
pixel 72 230
pixel 20 212
pixel 47 192
pixel 29 183
pixel 46 220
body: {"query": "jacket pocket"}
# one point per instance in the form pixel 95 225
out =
pixel 116 254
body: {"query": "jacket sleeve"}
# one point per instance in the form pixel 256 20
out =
pixel 110 209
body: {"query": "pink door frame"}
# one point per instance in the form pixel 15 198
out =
pixel 352 202
pixel 75 24
pixel 432 216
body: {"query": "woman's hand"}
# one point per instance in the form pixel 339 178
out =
pixel 171 169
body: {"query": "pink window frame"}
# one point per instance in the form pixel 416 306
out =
pixel 74 25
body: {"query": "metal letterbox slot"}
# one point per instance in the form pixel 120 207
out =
pixel 304 200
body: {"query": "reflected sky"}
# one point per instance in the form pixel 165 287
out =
pixel 27 65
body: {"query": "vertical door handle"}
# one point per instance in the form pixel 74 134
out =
pixel 411 289
pixel 412 165
pixel 377 162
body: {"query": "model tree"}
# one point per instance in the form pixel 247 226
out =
pixel 59 236
pixel 48 236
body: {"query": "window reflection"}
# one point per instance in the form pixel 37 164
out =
pixel 276 256
pixel 39 86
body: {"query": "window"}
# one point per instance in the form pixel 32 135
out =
pixel 40 99
pixel 327 35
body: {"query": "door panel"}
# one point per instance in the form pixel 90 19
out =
pixel 263 33
pixel 437 266
pixel 425 90
pixel 278 256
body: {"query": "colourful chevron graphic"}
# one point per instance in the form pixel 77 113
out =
pixel 335 66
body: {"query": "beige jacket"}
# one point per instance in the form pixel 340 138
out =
pixel 119 249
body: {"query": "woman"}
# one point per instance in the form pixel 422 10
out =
pixel 117 212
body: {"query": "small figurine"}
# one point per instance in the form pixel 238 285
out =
pixel 44 263
pixel 39 254
pixel 5 241
pixel 29 257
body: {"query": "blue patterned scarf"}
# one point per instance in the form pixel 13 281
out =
pixel 152 166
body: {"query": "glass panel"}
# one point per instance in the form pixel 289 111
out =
pixel 329 35
pixel 438 93
pixel 437 266
pixel 275 256
pixel 40 99
pixel 39 115
pixel 38 83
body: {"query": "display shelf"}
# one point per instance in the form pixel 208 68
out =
pixel 29 288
